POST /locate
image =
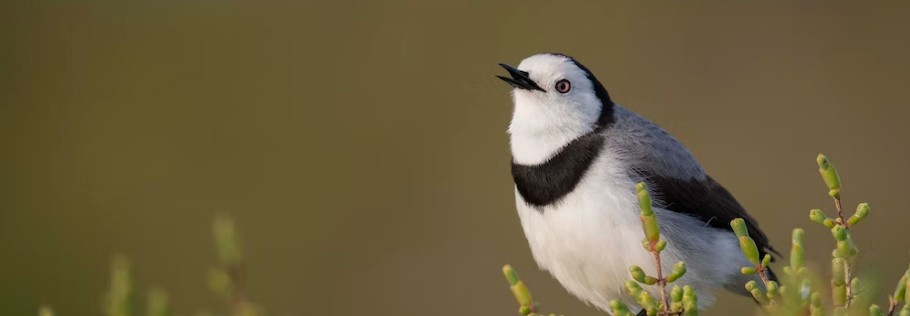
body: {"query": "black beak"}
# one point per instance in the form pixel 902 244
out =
pixel 520 79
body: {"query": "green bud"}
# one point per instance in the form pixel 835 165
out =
pixel 901 289
pixel 619 309
pixel 862 210
pixel 650 281
pixel 748 270
pixel 816 215
pixel 688 292
pixel 845 249
pixel 526 310
pixel 815 305
pixel 905 311
pixel 678 271
pixel 660 245
pixel 874 310
pixel 829 223
pixel 747 245
pixel 652 231
pixel 906 293
pixel 691 309
pixel 751 285
pixel 676 307
pixel 773 289
pixel 651 311
pixel 639 275
pixel 647 302
pixel 765 261
pixel 510 274
pixel 839 233
pixel 519 290
pixel 829 174
pixel 739 227
pixel 522 295
pixel 644 199
pixel 756 292
pixel 633 289
pixel 676 299
pixel 676 294
pixel 690 301
pixel 798 236
pixel 797 250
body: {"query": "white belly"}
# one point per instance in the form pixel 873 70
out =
pixel 588 240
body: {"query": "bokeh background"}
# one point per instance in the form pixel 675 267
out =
pixel 361 146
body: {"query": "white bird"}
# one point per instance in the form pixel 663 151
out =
pixel 576 157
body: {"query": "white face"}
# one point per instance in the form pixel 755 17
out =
pixel 554 112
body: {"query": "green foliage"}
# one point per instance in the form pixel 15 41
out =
pixel 526 304
pixel 829 175
pixel 119 298
pixel 673 303
pixel 45 311
pixel 648 219
pixel 620 309
pixel 797 293
pixel 157 303
pixel 224 281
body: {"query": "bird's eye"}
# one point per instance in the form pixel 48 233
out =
pixel 563 86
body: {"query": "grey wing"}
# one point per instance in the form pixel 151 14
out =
pixel 676 178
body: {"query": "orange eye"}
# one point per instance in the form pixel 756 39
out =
pixel 563 86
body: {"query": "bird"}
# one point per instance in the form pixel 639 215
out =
pixel 576 159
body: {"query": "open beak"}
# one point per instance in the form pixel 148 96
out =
pixel 520 79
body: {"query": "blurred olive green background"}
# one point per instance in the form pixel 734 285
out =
pixel 362 146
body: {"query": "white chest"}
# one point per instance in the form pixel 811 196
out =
pixel 588 239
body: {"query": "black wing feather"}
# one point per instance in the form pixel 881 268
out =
pixel 709 201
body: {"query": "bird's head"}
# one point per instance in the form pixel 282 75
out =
pixel 555 94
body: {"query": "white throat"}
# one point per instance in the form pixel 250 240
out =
pixel 539 130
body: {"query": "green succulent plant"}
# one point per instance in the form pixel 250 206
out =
pixel 224 281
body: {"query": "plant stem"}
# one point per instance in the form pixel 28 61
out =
pixel 847 276
pixel 661 283
pixel 840 212
pixel 763 275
